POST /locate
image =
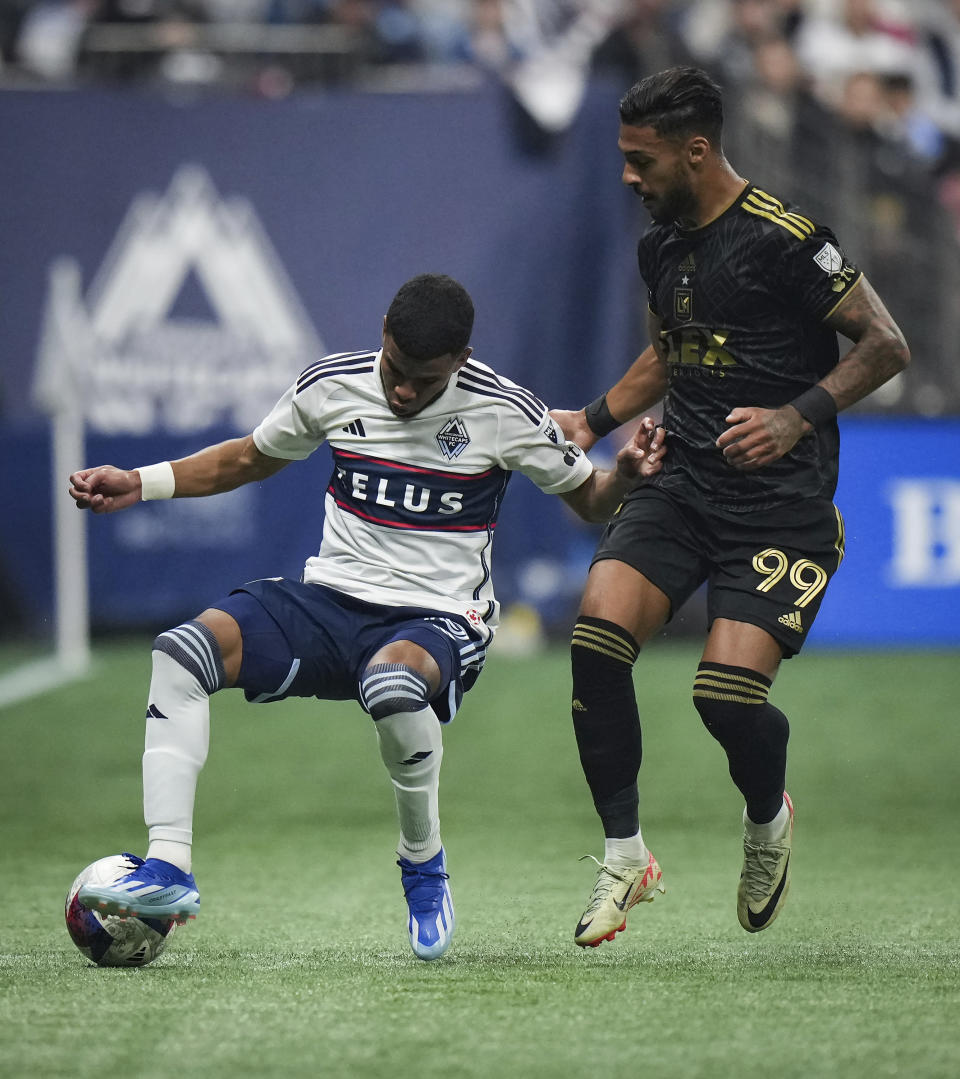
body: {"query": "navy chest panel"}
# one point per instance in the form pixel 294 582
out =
pixel 407 497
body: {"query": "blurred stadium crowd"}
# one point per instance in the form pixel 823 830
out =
pixel 852 104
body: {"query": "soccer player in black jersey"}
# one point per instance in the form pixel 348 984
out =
pixel 746 298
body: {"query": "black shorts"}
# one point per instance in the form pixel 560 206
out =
pixel 769 568
pixel 305 640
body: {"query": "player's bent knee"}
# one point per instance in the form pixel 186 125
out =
pixel 727 696
pixel 388 688
pixel 602 655
pixel 196 649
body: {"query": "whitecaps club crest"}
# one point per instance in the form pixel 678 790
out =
pixel 452 438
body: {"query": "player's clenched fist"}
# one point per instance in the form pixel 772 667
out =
pixel 105 489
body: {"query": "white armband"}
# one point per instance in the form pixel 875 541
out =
pixel 156 481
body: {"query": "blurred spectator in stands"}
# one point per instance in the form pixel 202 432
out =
pixel 645 39
pixel 723 34
pixel 171 51
pixel 938 38
pixel 851 37
pixel 485 40
pixel 908 121
pixel 48 38
pixel 860 101
pixel 774 86
pixel 747 43
pixel 948 189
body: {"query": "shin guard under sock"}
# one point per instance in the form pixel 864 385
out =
pixel 732 702
pixel 606 721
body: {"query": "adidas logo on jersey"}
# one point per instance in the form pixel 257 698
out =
pixel 792 619
pixel 687 264
pixel 355 428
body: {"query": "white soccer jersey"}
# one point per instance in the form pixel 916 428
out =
pixel 412 504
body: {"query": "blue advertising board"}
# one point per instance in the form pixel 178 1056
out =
pixel 169 268
pixel 899 494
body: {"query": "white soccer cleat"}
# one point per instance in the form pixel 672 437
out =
pixel 765 878
pixel 618 888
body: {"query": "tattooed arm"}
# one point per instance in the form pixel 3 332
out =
pixel 757 436
pixel 880 351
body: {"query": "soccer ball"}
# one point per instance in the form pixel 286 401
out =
pixel 111 941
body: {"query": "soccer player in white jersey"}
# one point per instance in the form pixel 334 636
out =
pixel 396 609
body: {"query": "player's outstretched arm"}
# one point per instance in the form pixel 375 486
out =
pixel 758 436
pixel 641 387
pixel 213 470
pixel 598 497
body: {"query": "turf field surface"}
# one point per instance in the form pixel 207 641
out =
pixel 299 963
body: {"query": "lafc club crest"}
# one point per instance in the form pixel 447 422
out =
pixel 452 438
pixel 683 304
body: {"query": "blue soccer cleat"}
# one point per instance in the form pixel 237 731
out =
pixel 153 889
pixel 431 922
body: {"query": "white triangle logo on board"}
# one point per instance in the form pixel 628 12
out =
pixel 136 365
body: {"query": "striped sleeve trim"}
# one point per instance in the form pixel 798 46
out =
pixel 841 541
pixel 339 364
pixel 486 383
pixel 763 205
pixel 853 284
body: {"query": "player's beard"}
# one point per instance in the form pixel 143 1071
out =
pixel 678 203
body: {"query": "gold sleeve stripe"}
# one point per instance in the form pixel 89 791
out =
pixel 608 644
pixel 782 222
pixel 841 543
pixel 800 222
pixel 853 284
pixel 776 204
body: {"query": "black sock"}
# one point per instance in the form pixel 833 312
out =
pixel 606 721
pixel 732 702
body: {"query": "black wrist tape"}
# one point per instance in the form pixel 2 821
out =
pixel 816 405
pixel 598 417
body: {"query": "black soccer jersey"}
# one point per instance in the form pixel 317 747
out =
pixel 742 303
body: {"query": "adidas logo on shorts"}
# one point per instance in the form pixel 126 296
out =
pixel 792 619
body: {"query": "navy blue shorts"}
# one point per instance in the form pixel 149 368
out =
pixel 305 640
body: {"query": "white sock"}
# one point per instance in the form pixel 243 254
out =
pixel 767 833
pixel 629 851
pixel 178 854
pixel 175 750
pixel 411 746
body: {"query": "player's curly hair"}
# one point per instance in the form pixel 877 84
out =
pixel 676 103
pixel 430 316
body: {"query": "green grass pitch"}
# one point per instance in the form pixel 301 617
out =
pixel 299 964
